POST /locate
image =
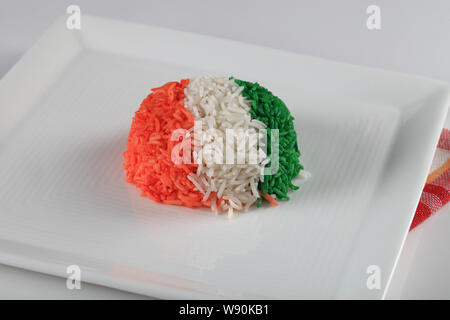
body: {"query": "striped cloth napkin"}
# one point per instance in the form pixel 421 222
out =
pixel 436 192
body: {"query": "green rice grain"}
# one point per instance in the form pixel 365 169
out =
pixel 272 111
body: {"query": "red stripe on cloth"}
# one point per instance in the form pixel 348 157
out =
pixel 439 191
pixel 423 212
pixel 436 193
pixel 444 140
pixel 432 199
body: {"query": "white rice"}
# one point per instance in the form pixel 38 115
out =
pixel 219 104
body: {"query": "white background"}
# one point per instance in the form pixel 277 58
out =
pixel 414 38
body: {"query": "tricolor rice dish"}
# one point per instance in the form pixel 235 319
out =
pixel 213 142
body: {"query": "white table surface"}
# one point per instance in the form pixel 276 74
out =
pixel 413 39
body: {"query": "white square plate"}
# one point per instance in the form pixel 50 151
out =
pixel 367 136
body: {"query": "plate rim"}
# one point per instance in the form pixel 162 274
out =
pixel 16 72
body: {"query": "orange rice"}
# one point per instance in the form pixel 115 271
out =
pixel 148 161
